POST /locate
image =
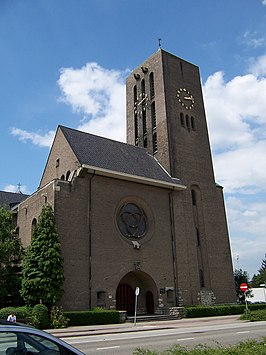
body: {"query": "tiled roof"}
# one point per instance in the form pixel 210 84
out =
pixel 115 156
pixel 10 199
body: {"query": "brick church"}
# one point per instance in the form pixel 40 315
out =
pixel 146 213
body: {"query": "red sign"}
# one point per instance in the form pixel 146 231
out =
pixel 243 287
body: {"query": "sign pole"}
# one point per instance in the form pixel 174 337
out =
pixel 244 289
pixel 246 301
pixel 136 303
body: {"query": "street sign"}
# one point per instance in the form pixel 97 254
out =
pixel 243 287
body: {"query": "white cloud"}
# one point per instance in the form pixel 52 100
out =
pixel 35 138
pixel 236 112
pixel 258 65
pixel 253 40
pixel 252 216
pixel 16 188
pixel 247 221
pixel 243 170
pixel 263 2
pixel 99 94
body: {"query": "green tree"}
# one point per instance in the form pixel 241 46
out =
pixel 43 273
pixel 11 254
pixel 240 277
pixel 260 278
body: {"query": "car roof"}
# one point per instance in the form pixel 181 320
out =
pixel 6 326
pixel 8 323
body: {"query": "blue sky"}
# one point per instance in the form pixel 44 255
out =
pixel 65 62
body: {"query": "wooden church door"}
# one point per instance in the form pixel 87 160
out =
pixel 125 299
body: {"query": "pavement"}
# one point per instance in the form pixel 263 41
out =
pixel 141 326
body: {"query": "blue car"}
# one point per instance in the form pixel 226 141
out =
pixel 20 339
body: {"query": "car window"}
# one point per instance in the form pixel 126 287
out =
pixel 7 340
pixel 12 343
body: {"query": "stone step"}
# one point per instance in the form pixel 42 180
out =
pixel 152 317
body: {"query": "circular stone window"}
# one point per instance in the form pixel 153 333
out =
pixel 131 221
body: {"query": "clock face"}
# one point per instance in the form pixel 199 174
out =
pixel 185 98
pixel 142 103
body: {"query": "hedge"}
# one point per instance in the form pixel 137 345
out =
pixel 22 313
pixel 219 310
pixel 92 317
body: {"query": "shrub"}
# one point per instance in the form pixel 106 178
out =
pixel 220 310
pixel 93 317
pixel 40 316
pixel 208 311
pixel 57 318
pixel 256 315
pixel 4 312
pixel 23 314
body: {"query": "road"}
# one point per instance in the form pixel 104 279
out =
pixel 160 337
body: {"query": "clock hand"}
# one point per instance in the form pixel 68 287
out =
pixel 142 100
pixel 188 98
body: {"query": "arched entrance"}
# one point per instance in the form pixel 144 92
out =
pixel 125 293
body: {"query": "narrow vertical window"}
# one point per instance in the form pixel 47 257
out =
pixel 152 85
pixel 182 119
pixel 187 121
pixel 143 87
pixel 198 236
pixel 33 225
pixel 135 94
pixel 193 123
pixel 144 122
pixel 136 129
pixel 145 142
pixel 153 115
pixel 201 277
pixel 154 142
pixel 193 196
pixel 154 124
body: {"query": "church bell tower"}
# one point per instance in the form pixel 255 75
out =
pixel 166 115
